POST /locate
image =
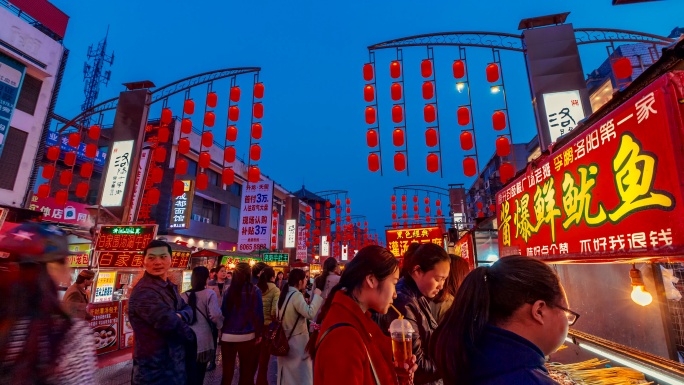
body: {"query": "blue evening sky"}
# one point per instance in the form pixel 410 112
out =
pixel 311 55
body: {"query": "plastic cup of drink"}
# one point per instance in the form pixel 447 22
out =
pixel 402 343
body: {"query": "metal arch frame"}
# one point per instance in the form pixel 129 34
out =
pixel 603 35
pixel 423 187
pixel 164 92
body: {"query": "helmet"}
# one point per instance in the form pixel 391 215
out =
pixel 33 242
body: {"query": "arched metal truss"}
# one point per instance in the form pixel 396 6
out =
pixel 422 187
pixel 601 35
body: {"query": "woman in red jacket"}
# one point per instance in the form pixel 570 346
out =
pixel 363 355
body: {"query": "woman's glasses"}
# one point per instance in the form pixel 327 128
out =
pixel 572 316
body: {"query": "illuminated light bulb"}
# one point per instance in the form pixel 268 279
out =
pixel 639 294
pixel 252 262
pixel 460 86
pixel 495 89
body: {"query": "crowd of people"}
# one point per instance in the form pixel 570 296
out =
pixel 492 325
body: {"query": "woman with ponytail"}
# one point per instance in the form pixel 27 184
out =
pixel 330 277
pixel 349 348
pixel 504 320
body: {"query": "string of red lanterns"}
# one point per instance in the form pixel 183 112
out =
pixel 183 148
pixel 500 122
pixel 431 113
pixel 253 172
pixel 398 114
pixel 372 132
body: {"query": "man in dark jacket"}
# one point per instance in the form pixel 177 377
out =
pixel 159 318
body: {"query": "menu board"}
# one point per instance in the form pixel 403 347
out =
pixel 126 338
pixel 105 326
pixel 104 286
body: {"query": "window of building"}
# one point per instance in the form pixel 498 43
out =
pixel 234 220
pixel 28 96
pixel 236 189
pixel 192 166
pixel 214 178
pixel 207 211
pixel 10 159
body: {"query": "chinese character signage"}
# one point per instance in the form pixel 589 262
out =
pixel 180 259
pixel 345 252
pixel 81 255
pixel 325 246
pixel 117 173
pixel 302 251
pixel 234 260
pixel 11 76
pixel 464 249
pixel 277 258
pixel 105 326
pixel 104 287
pixel 125 238
pixel 563 112
pixel 613 191
pixel 399 240
pixel 53 139
pixel 122 259
pixel 140 179
pixel 290 233
pixel 72 213
pixel 255 217
pixel 181 207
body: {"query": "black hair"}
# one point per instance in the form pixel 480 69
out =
pixel 459 269
pixel 80 279
pixel 241 281
pixel 214 270
pixel 266 275
pixel 489 295
pixel 295 276
pixel 157 243
pixel 425 257
pixel 258 267
pixel 198 282
pixel 371 260
pixel 329 266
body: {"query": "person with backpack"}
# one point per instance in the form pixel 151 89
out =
pixel 270 294
pixel 296 368
pixel 207 319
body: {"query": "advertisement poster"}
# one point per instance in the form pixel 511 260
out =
pixel 71 213
pixel 290 233
pixel 104 286
pixel 117 173
pixel 11 77
pixel 563 112
pixel 255 211
pixel 126 331
pixel 399 240
pixel 464 249
pixel 82 256
pixel 105 326
pixel 301 243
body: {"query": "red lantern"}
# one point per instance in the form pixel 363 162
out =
pixel 254 175
pixel 463 115
pixel 458 68
pixel 503 146
pixel 415 207
pixel 480 214
pixel 43 190
pixel 439 212
pixel 395 91
pixel 48 171
pixel 499 120
pixel 209 119
pixel 397 114
pixel 65 177
pixel 394 207
pixel 373 162
pixel 235 94
pixel 231 133
pixel 395 69
pixel 153 196
pixel 183 146
pixel 428 90
pixel 469 166
pixel 74 140
pixel 90 150
pixel 403 199
pixel 166 116
pixel 229 154
pixel 53 153
pixel 398 137
pixel 163 134
pixel 82 189
pixel 348 201
pixel 86 170
pixel 257 131
pixel 156 174
pixel 368 93
pixel 207 139
pixel 70 159
pixel 160 154
pixel 427 200
pixel 274 240
pixel 492 72
pixel 492 208
pixel 181 166
pixel 427 209
pixel 431 137
pixel 178 188
pixel 204 159
pixel 258 110
pixel 202 181
pixel 404 206
pixel 189 106
pixel 429 113
pixel 415 200
pixel 61 197
pixel 416 217
pixel 368 72
pixel 348 210
pixel 426 68
pixel 394 216
pixel 348 219
pixel 622 68
pixel 479 205
pixel 393 198
pixel 186 126
pixel 259 90
pixel 466 139
pixel 438 203
pixel 255 152
pixel 212 99
pixel 233 113
pixel 370 115
pixel 372 138
pixel 337 202
pixel 506 171
pixel 228 176
pixel 94 132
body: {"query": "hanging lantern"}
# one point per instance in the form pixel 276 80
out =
pixel 426 68
pixel 90 150
pixel 404 215
pixel 228 176
pixel 70 159
pixel 229 154
pixel 86 170
pixel 492 72
pixel 204 159
pixel 480 214
pixel 368 72
pixel 202 181
pixel 463 115
pixel 373 162
pixel 398 137
pixel 259 90
pixel 372 138
pixel 189 107
pixel 207 139
pixel 393 198
pixel 178 188
pixel 231 133
pixel 622 68
pixel 53 153
pixel 506 172
pixel 499 120
pixel 82 189
pixel 337 202
pixel 186 126
pixel 429 113
pixel 159 154
pixel 458 68
pixel 404 207
pixel 327 206
pixel 370 115
pixel 479 205
pixel 428 90
pixel 399 162
pixel 415 207
pixel 338 211
pixel 183 146
pixel 255 152
pixel 74 140
pixel 209 119
pixel 368 93
pixel 492 207
pixel 469 166
pixel 397 114
pixel 395 69
pixel 212 98
pixel 503 146
pixel 432 163
pixel 181 166
pixel 48 171
pixel 258 110
pixel 431 137
pixel 61 197
pixel 348 210
pixel 43 190
pixel 163 134
pixel 156 174
pixel 439 212
pixel 427 200
pixel 394 207
pixel 348 219
pixel 235 94
pixel 94 132
pixel 466 139
pixel 396 91
pixel 427 209
pixel 233 113
pixel 394 216
pixel 348 201
pixel 65 177
pixel 416 217
pixel 166 116
pixel 403 199
pixel 254 174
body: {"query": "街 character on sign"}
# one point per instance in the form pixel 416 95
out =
pixel 505 226
pixel 577 199
pixel 545 208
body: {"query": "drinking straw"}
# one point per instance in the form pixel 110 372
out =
pixel 398 312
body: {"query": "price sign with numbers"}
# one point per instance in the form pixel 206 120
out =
pixel 104 288
pixel 255 217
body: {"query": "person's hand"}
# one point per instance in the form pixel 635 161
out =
pixel 317 292
pixel 405 374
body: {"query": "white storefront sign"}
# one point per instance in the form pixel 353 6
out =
pixel 117 173
pixel 255 217
pixel 301 243
pixel 325 246
pixel 563 112
pixel 290 233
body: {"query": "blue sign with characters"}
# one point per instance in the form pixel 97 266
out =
pixel 11 77
pixel 53 139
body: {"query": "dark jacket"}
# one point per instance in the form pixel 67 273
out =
pixel 160 335
pixel 416 309
pixel 249 318
pixel 501 357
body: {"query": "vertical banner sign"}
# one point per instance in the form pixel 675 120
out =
pixel 255 211
pixel 182 207
pixel 612 192
pixel 140 177
pixel 117 173
pixel 464 249
pixel 399 240
pixel 345 252
pixel 290 233
pixel 325 246
pixel 301 243
pixel 563 111
pixel 11 76
pixel 105 286
pixel 105 326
